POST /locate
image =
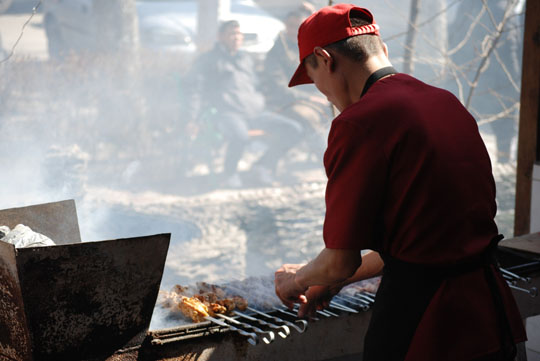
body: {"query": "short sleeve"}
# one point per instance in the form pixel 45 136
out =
pixel 357 175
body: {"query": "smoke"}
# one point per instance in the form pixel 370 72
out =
pixel 110 131
pixel 257 291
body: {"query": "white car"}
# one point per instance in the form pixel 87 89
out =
pixel 163 30
pixel 163 19
pixel 164 25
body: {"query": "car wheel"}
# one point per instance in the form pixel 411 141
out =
pixel 4 5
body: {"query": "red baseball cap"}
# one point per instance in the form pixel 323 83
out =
pixel 326 26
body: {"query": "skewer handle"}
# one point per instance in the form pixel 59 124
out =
pixel 268 335
pixel 283 330
pixel 533 291
pixel 252 338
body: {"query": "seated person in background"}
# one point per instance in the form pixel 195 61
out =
pixel 223 85
pixel 302 103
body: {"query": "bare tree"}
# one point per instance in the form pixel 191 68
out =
pixel 209 13
pixel 122 102
pixel 484 64
pixel 408 65
pixel 116 25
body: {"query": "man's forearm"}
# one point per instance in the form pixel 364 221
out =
pixel 330 267
pixel 372 266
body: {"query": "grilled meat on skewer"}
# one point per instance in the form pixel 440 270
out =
pixel 193 308
pixel 210 301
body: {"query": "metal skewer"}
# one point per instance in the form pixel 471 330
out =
pixel 533 291
pixel 364 305
pixel 365 297
pixel 298 325
pixel 284 330
pixel 332 313
pixel 513 275
pixel 286 311
pixel 369 294
pixel 325 313
pixel 268 336
pixel 252 337
pixel 341 307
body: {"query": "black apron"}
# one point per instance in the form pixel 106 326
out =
pixel 404 294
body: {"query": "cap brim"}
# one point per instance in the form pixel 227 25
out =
pixel 300 76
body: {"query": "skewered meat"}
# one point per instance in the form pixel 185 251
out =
pixel 211 300
pixel 181 290
pixel 228 303
pixel 208 297
pixel 213 307
pixel 217 308
pixel 167 299
pixel 210 288
pixel 193 308
pixel 240 303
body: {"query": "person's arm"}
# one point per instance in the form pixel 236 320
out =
pixel 319 296
pixel 330 267
pixel 372 265
pixel 357 170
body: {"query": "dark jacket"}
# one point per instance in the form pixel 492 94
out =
pixel 279 66
pixel 224 83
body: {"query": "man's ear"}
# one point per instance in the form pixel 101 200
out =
pixel 324 58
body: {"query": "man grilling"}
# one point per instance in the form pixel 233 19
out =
pixel 409 177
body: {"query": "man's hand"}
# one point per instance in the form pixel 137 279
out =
pixel 318 298
pixel 319 280
pixel 287 289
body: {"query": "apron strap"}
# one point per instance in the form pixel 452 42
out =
pixel 381 73
pixel 508 346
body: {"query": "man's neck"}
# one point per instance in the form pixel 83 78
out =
pixel 357 76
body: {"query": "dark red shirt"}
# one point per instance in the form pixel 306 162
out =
pixel 409 176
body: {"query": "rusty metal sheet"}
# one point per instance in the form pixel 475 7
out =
pixel 88 300
pixel 57 220
pixel 527 243
pixel 14 335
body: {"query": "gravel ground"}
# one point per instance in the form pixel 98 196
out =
pixel 219 236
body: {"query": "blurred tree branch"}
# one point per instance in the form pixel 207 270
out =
pixel 491 45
